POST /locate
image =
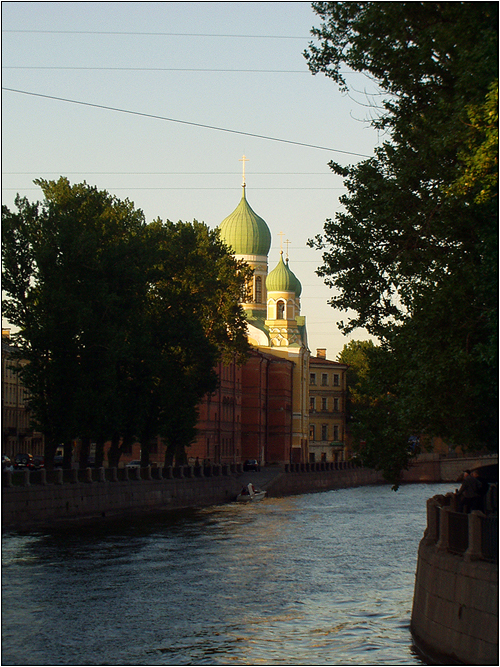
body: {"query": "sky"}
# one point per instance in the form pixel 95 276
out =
pixel 236 66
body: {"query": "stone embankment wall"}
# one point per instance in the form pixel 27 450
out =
pixel 435 468
pixel 455 607
pixel 304 478
pixel 30 499
pixel 33 499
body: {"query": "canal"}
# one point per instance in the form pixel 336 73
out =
pixel 318 579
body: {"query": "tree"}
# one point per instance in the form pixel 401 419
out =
pixel 121 322
pixel 414 253
pixel 69 279
pixel 355 355
pixel 376 421
pixel 194 318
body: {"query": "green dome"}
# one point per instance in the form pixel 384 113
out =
pixel 245 231
pixel 281 279
pixel 298 287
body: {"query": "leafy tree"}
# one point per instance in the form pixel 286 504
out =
pixel 121 322
pixel 355 355
pixel 69 266
pixel 195 320
pixel 414 253
pixel 376 420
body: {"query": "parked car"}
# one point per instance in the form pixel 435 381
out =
pixel 251 464
pixel 23 461
pixel 133 464
pixel 38 462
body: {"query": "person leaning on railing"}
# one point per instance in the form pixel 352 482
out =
pixel 472 492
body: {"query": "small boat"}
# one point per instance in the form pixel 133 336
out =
pixel 249 494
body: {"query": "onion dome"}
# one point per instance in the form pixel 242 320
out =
pixel 281 279
pixel 298 288
pixel 245 231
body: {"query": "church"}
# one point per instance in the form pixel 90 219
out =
pixel 261 410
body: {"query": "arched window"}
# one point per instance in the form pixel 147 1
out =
pixel 280 310
pixel 258 289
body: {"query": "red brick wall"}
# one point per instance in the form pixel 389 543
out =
pixel 219 423
pixel 250 415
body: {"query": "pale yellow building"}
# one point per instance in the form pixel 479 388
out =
pixel 327 409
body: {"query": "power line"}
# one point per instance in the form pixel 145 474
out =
pixel 161 69
pixel 183 122
pixel 159 34
pixel 175 188
pixel 156 69
pixel 172 173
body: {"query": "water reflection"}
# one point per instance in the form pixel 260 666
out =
pixel 318 579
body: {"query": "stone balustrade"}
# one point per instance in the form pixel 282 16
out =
pixel 100 475
pixel 454 616
pixel 474 535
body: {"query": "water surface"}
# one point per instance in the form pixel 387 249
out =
pixel 318 579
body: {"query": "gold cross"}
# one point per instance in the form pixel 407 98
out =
pixel 281 234
pixel 244 159
pixel 287 244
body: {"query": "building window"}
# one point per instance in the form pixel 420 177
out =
pixel 312 403
pixel 324 405
pixel 312 378
pixel 336 433
pixel 324 432
pixel 336 380
pixel 280 310
pixel 258 289
pixel 336 404
pixel 324 379
pixel 312 432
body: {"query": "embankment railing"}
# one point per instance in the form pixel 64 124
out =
pixel 473 536
pixel 28 477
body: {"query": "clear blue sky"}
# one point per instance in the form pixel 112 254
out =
pixel 71 50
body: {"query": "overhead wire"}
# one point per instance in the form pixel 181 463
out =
pixel 182 122
pixel 149 34
pixel 155 69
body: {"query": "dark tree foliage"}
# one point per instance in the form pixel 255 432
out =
pixel 121 322
pixel 414 252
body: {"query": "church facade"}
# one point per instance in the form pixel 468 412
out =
pixel 263 412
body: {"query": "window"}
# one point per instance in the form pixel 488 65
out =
pixel 312 432
pixel 312 378
pixel 258 289
pixel 324 404
pixel 324 432
pixel 336 433
pixel 336 380
pixel 280 310
pixel 312 403
pixel 336 404
pixel 324 379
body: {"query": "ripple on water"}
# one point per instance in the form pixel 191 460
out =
pixel 317 579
